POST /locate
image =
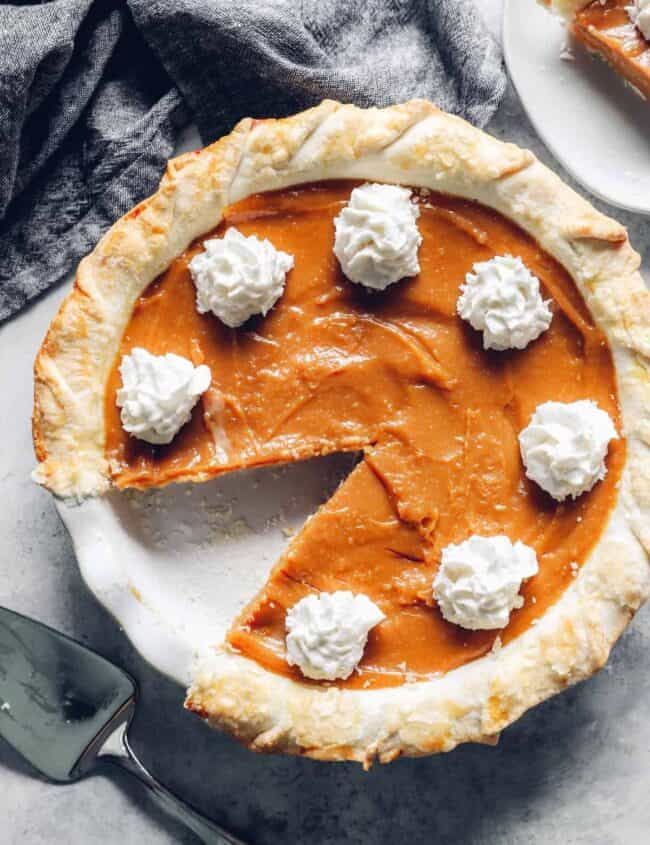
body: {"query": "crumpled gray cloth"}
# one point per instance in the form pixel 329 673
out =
pixel 93 95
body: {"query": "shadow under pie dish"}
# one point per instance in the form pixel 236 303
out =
pixel 401 374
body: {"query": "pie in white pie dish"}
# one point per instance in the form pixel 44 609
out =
pixel 402 360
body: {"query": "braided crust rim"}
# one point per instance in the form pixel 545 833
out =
pixel 418 145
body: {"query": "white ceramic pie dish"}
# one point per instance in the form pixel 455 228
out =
pixel 592 122
pixel 164 562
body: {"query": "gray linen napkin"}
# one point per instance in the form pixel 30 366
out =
pixel 93 94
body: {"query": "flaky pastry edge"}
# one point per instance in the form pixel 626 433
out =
pixel 417 145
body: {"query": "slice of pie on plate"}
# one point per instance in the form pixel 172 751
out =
pixel 479 334
pixel 617 31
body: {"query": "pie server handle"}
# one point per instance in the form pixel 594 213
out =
pixel 117 750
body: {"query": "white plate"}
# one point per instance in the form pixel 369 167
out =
pixel 595 125
pixel 175 566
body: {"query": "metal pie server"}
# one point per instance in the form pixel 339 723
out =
pixel 64 708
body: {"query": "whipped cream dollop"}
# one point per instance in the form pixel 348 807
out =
pixel 238 276
pixel 564 447
pixel 478 581
pixel 501 298
pixel 158 393
pixel 377 237
pixel 639 12
pixel 327 633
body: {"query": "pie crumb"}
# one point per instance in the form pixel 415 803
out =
pixel 567 54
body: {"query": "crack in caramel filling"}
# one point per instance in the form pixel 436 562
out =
pixel 400 376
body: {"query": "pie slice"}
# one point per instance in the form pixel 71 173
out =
pixel 397 376
pixel 607 29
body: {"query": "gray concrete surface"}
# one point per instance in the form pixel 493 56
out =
pixel 575 770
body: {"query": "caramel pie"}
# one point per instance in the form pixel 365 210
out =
pixel 606 28
pixel 397 376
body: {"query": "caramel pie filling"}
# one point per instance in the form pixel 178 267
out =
pixel 400 377
pixel 604 26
